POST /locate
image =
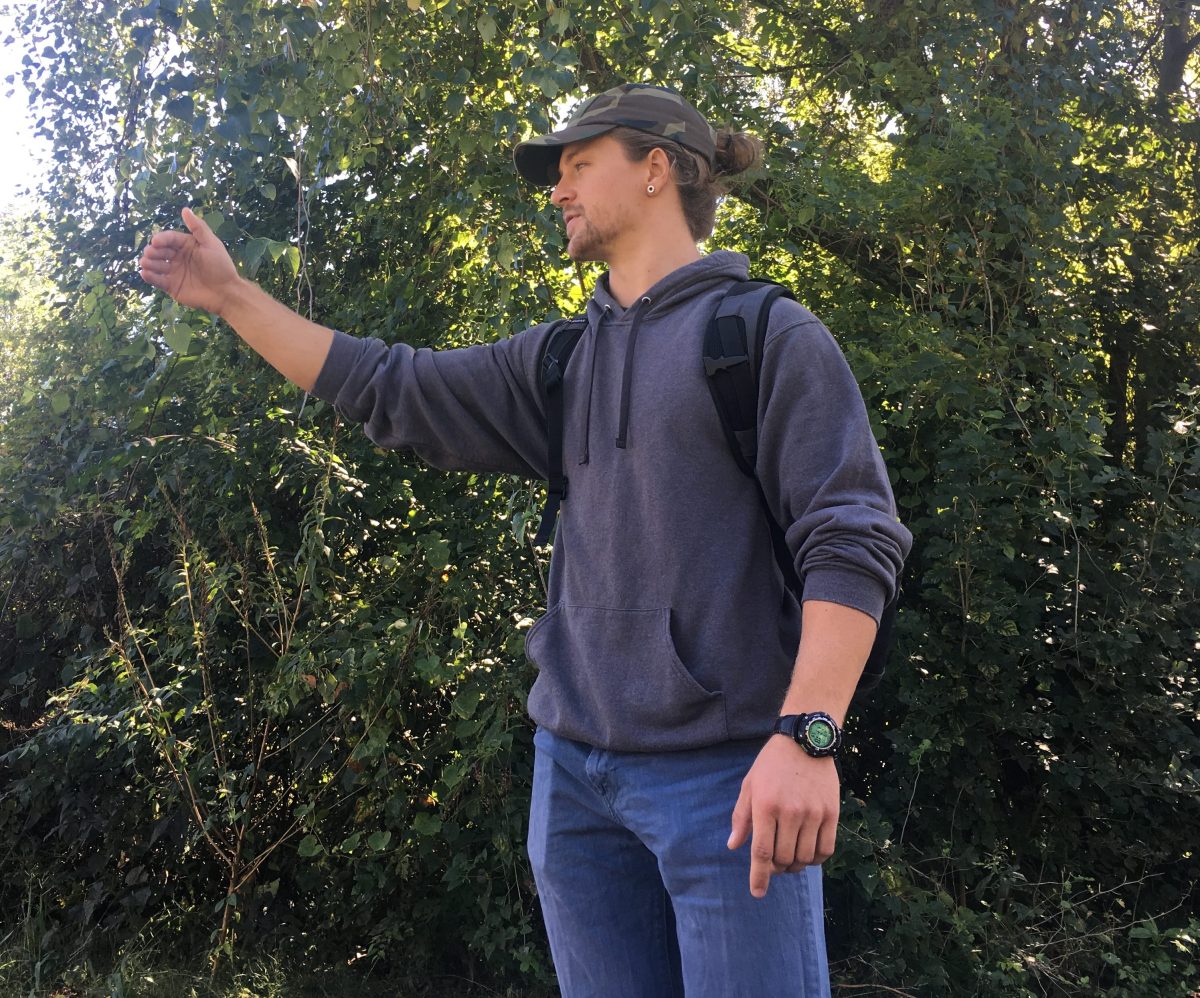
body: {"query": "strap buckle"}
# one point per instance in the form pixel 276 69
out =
pixel 714 364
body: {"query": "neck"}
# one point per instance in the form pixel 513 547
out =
pixel 633 272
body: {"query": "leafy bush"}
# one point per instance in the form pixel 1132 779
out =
pixel 262 687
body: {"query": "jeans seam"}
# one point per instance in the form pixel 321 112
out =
pixel 598 781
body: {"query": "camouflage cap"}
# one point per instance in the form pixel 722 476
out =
pixel 655 110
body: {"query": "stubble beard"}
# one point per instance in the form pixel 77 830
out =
pixel 597 237
pixel 584 243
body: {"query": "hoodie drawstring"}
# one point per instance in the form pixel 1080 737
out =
pixel 627 376
pixel 587 424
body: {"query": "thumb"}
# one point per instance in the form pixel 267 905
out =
pixel 196 225
pixel 741 821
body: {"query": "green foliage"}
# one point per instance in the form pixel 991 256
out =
pixel 262 686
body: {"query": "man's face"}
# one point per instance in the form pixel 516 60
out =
pixel 598 191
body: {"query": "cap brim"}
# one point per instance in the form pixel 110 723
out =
pixel 536 159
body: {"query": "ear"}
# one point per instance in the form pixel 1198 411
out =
pixel 658 168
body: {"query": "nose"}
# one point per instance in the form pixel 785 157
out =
pixel 561 193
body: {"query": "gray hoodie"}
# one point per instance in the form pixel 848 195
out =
pixel 668 625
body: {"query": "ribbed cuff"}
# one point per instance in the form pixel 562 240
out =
pixel 854 589
pixel 339 362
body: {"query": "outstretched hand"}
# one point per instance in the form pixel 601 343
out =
pixel 192 267
pixel 788 807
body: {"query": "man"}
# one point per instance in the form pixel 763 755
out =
pixel 670 645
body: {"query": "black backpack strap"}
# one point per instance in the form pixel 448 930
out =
pixel 733 350
pixel 552 368
pixel 733 347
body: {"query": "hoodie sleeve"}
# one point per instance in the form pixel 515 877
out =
pixel 470 409
pixel 822 471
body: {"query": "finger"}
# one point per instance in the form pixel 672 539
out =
pixel 806 844
pixel 823 846
pixel 154 278
pixel 741 821
pixel 155 270
pixel 169 240
pixel 157 259
pixel 762 853
pixel 196 225
pixel 157 262
pixel 788 833
pixel 826 840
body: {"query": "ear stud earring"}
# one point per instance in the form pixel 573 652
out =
pixel 649 188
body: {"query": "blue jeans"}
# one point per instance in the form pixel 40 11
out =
pixel 641 897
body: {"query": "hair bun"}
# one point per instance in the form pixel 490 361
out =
pixel 736 152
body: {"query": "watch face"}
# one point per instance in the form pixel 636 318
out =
pixel 820 733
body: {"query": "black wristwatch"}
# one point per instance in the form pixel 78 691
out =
pixel 817 733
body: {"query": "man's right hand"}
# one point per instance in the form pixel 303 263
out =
pixel 196 270
pixel 193 267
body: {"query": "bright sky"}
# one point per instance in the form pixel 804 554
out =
pixel 18 167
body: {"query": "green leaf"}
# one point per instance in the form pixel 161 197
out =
pixel 309 847
pixel 466 701
pixel 560 20
pixel 487 27
pixel 182 107
pixel 213 219
pixel 379 840
pixel 235 124
pixel 60 402
pixel 201 16
pixel 178 337
pixel 505 252
pixel 426 824
pixel 252 255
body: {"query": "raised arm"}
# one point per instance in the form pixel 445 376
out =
pixel 468 409
pixel 196 270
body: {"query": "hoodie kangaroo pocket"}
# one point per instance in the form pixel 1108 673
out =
pixel 613 678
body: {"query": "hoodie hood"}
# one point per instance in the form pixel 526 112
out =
pixel 678 286
pixel 673 290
